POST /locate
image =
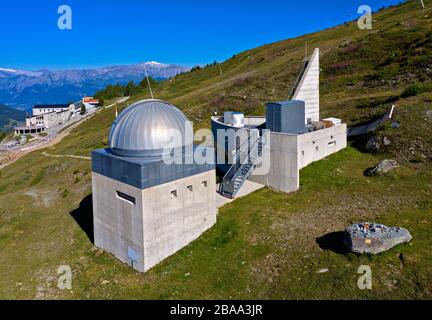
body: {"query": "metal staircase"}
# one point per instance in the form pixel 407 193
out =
pixel 241 168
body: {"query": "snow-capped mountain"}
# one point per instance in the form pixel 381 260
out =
pixel 23 89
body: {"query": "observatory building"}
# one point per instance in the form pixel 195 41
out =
pixel 146 209
pixel 271 150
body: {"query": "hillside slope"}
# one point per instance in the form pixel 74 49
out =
pixel 9 116
pixel 267 245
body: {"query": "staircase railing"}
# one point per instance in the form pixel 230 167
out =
pixel 242 167
pixel 298 79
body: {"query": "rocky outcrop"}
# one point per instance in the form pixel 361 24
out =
pixel 374 238
pixel 382 167
pixel 373 145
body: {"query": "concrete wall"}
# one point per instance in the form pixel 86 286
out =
pixel 290 153
pixel 170 223
pixel 283 164
pixel 55 118
pixel 118 224
pixel 316 145
pixel 225 150
pixel 158 224
pixel 308 89
pixel 51 119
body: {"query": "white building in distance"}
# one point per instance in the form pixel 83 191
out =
pixel 47 116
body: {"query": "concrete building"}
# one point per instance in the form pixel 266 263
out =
pixel 47 116
pixel 49 108
pixel 90 103
pixel 145 209
pixel 286 140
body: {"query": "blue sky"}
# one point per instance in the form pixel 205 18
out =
pixel 188 32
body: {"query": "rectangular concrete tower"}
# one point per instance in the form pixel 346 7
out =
pixel 145 210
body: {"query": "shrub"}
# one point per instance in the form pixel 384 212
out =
pixel 413 90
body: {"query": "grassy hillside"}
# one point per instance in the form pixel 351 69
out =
pixel 267 245
pixel 10 116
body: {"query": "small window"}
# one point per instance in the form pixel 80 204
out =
pixel 204 184
pixel 173 194
pixel 332 143
pixel 189 188
pixel 125 197
pixel 302 152
pixel 316 148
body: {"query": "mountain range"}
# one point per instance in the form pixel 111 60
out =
pixel 22 89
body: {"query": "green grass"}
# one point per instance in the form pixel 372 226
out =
pixel 264 245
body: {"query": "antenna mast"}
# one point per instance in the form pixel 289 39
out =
pixel 306 51
pixel 148 82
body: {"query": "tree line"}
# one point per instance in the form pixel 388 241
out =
pixel 130 89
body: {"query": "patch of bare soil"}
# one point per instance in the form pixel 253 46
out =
pixel 44 198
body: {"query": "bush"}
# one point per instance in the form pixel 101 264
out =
pixel 413 90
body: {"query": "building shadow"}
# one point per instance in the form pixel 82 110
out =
pixel 83 216
pixel 333 241
pixel 360 142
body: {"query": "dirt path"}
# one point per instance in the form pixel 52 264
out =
pixel 46 154
pixel 14 156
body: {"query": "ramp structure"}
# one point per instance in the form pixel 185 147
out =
pixel 307 88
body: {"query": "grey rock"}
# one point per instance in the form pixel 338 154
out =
pixel 323 270
pixel 382 167
pixel 386 141
pixel 395 124
pixel 373 145
pixel 374 238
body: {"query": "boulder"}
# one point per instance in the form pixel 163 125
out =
pixel 373 145
pixel 386 141
pixel 374 238
pixel 382 167
pixel 395 124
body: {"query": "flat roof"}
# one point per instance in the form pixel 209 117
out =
pixel 53 106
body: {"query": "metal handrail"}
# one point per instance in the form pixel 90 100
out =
pixel 297 81
pixel 235 170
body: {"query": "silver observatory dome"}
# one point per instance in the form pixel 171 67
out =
pixel 143 129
